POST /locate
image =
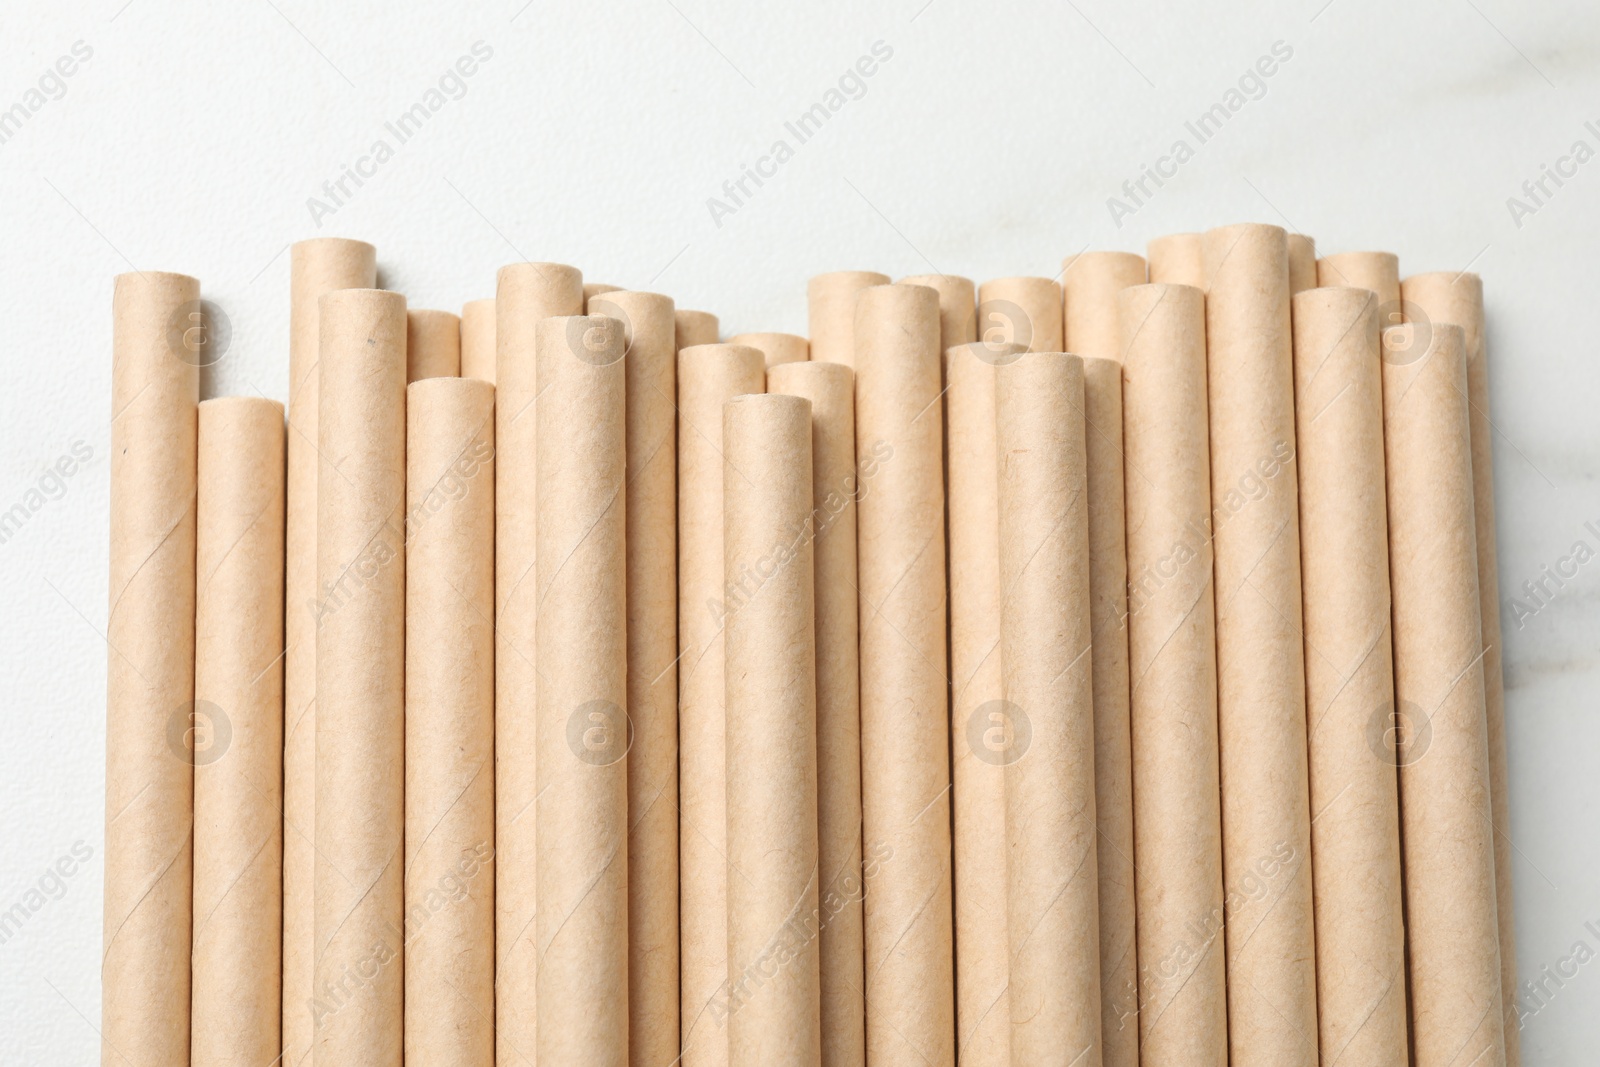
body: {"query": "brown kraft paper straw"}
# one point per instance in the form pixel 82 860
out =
pixel 1053 903
pixel 1451 297
pixel 708 376
pixel 1453 937
pixel 1090 282
pixel 836 484
pixel 1378 272
pixel 449 880
pixel 905 750
pixel 980 720
pixel 693 328
pixel 1344 550
pixel 958 298
pixel 652 584
pixel 773 998
pixel 1113 757
pixel 316 267
pixel 831 312
pixel 433 344
pixel 1023 311
pixel 777 348
pixel 584 731
pixel 150 713
pixel 1261 695
pixel 361 499
pixel 594 289
pixel 477 340
pixel 1177 259
pixel 1302 262
pixel 525 294
pixel 238 734
pixel 1181 1009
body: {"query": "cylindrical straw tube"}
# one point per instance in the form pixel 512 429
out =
pixel 836 484
pixel 831 312
pixel 316 267
pixel 1454 297
pixel 1182 1007
pixel 1378 272
pixel 1113 754
pixel 433 344
pixel 1053 907
pixel 1023 311
pixel 777 348
pixel 774 1000
pixel 693 328
pixel 1261 682
pixel 584 731
pixel 981 720
pixel 1344 548
pixel 449 881
pixel 958 297
pixel 1090 282
pixel 651 370
pixel 526 293
pixel 361 738
pixel 1302 262
pixel 708 377
pixel 1452 930
pixel 905 752
pixel 238 734
pixel 150 673
pixel 594 289
pixel 1177 259
pixel 477 340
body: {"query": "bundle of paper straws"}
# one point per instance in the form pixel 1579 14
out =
pixel 565 685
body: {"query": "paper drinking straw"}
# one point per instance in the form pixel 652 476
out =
pixel 1053 907
pixel 584 731
pixel 1177 259
pixel 958 299
pixel 1452 929
pixel 708 376
pixel 1023 311
pixel 981 724
pixel 594 289
pixel 357 999
pixel 1302 262
pixel 433 344
pixel 652 583
pixel 477 340
pixel 1266 819
pixel 836 484
pixel 777 348
pixel 238 754
pixel 1344 550
pixel 1181 1009
pixel 1448 296
pixel 694 328
pixel 831 312
pixel 1113 754
pixel 316 267
pixel 150 709
pixel 905 755
pixel 1378 272
pixel 774 989
pixel 526 293
pixel 1090 282
pixel 449 874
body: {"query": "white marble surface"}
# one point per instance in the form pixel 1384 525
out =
pixel 986 144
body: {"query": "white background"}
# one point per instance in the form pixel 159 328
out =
pixel 986 146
